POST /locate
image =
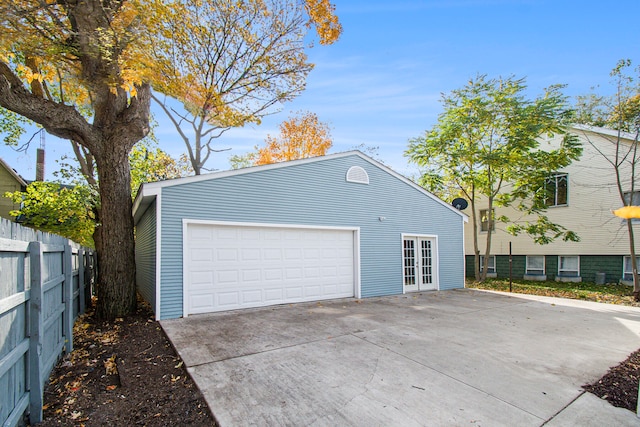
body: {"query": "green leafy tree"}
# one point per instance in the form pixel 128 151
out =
pixel 485 147
pixel 620 112
pixel 56 208
pixel 71 210
pixel 240 161
pixel 11 126
pixel 150 164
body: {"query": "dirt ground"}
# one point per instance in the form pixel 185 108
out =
pixel 123 373
pixel 126 373
pixel 620 385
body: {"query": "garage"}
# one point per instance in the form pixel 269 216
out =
pixel 234 266
pixel 327 227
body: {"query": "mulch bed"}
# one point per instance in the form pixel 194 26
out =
pixel 619 386
pixel 126 373
pixel 123 373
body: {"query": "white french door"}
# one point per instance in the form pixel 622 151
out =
pixel 419 262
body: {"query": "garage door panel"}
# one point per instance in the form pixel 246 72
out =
pixel 293 293
pixel 227 277
pixel 272 254
pixel 226 299
pixel 252 266
pixel 252 296
pixel 272 274
pixel 250 254
pixel 273 295
pixel 251 275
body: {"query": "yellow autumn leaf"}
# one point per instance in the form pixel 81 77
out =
pixel 110 365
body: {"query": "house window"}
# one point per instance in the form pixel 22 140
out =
pixel 535 265
pixel 557 190
pixel 635 200
pixel 627 274
pixel 569 266
pixel 484 220
pixel 491 268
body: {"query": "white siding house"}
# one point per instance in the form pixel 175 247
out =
pixel 337 226
pixel 583 197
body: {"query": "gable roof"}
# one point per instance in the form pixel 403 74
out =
pixel 149 191
pixel 605 131
pixel 13 172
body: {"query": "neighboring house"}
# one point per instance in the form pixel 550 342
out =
pixel 336 226
pixel 580 198
pixel 10 181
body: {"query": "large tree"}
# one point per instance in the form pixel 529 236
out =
pixel 83 70
pixel 485 147
pixel 620 112
pixel 240 61
pixel 301 136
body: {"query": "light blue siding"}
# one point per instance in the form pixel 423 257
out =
pixel 146 255
pixel 316 193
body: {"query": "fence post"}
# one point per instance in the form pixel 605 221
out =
pixel 35 333
pixel 82 305
pixel 68 297
pixel 89 277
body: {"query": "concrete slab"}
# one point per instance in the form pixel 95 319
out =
pixel 589 410
pixel 440 358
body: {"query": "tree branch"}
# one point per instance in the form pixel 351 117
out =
pixel 58 119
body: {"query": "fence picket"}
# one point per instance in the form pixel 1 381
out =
pixel 37 311
pixel 34 373
pixel 68 298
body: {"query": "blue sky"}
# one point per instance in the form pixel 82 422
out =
pixel 381 83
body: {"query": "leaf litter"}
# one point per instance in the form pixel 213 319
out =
pixel 122 373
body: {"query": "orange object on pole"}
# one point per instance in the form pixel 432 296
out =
pixel 628 212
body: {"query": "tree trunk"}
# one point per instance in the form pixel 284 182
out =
pixel 634 261
pixel 116 290
pixel 476 250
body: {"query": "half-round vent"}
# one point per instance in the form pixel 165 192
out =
pixel 357 174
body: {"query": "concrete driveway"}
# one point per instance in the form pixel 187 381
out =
pixel 452 358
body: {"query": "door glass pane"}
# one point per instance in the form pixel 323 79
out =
pixel 409 260
pixel 427 266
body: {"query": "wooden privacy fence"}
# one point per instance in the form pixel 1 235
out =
pixel 45 283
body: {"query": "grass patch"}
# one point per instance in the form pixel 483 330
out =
pixel 609 293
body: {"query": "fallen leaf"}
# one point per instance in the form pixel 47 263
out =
pixel 111 387
pixel 110 365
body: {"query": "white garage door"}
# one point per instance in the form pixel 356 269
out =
pixel 229 266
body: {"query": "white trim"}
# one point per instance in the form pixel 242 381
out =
pixel 544 264
pixel 568 256
pixel 356 263
pixel 436 270
pixel 357 292
pixel 185 266
pixel 604 131
pixel 13 173
pixel 158 254
pixel 266 224
pixel 624 264
pixel 482 264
